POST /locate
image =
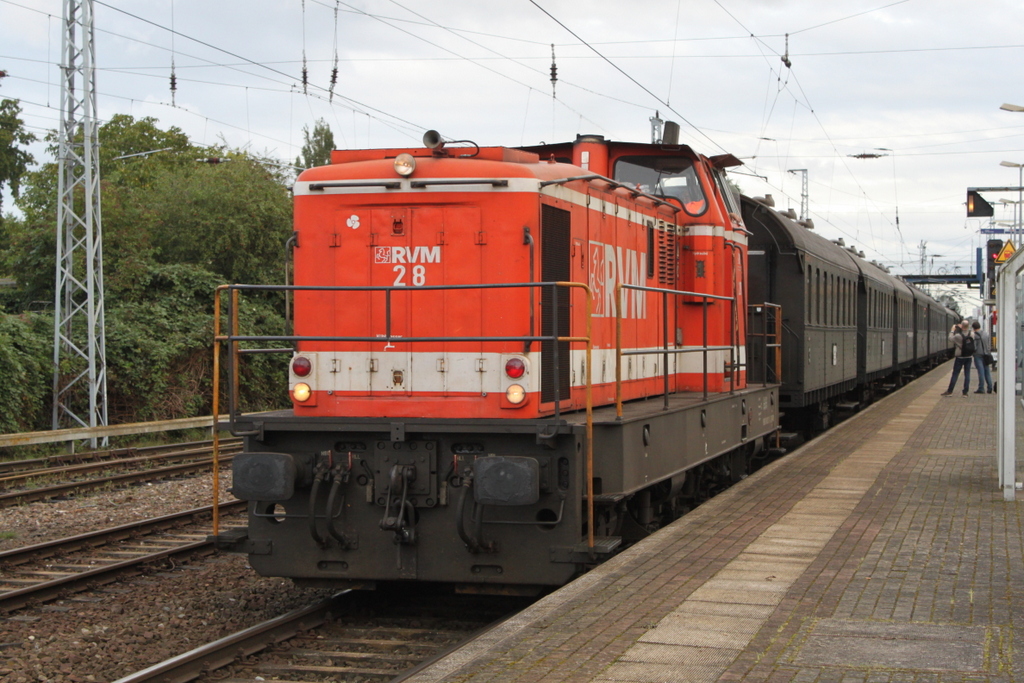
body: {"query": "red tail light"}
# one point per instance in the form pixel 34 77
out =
pixel 515 368
pixel 301 366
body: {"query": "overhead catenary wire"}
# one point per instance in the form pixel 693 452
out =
pixel 174 77
pixel 334 67
pixel 675 44
pixel 805 100
pixel 462 57
pixel 255 63
pixel 786 148
pixel 628 76
pixel 305 70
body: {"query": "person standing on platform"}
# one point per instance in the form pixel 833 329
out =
pixel 982 358
pixel 961 337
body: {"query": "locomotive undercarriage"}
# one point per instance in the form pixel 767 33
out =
pixel 409 501
pixel 485 505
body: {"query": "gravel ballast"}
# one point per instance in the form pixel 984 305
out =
pixel 127 626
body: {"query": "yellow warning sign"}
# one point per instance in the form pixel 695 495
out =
pixel 1006 252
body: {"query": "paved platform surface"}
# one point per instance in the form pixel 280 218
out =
pixel 881 552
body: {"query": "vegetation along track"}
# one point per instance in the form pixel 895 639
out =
pixel 353 636
pixel 31 481
pixel 50 570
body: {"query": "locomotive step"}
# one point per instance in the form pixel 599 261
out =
pixel 604 546
pixel 850 406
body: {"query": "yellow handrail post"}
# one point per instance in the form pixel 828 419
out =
pixel 590 430
pixel 618 351
pixel 590 408
pixel 216 410
pixel 234 346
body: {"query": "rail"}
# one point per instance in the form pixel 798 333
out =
pixel 82 433
pixel 665 349
pixel 233 341
pixel 68 574
pixel 146 474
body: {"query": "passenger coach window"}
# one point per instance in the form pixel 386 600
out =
pixel 842 301
pixel 853 303
pixel 665 177
pixel 817 296
pixel 808 297
pixel 833 302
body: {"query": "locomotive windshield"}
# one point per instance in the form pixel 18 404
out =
pixel 664 177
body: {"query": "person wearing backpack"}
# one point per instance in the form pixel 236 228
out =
pixel 982 358
pixel 960 336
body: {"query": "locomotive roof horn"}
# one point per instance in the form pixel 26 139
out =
pixel 671 136
pixel 433 140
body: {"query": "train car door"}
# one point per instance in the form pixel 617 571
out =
pixel 414 248
pixel 556 266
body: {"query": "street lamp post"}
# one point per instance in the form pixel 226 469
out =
pixel 1020 177
pixel 1018 210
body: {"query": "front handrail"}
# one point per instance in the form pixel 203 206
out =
pixel 233 342
pixel 665 351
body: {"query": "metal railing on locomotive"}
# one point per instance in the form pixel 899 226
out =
pixel 665 350
pixel 233 341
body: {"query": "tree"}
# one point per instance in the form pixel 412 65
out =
pixel 231 218
pixel 14 161
pixel 316 151
pixel 173 230
pixel 129 165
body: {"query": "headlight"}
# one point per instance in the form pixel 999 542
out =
pixel 301 392
pixel 405 164
pixel 515 394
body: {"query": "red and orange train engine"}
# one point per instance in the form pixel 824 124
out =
pixel 505 362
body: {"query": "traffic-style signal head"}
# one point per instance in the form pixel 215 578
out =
pixel 977 207
pixel 992 249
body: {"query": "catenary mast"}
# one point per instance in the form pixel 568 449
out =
pixel 79 348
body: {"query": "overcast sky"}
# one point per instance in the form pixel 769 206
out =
pixel 919 82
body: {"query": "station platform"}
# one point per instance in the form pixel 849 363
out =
pixel 880 552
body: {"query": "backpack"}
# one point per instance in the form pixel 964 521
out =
pixel 967 349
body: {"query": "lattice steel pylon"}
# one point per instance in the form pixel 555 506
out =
pixel 79 346
pixel 805 208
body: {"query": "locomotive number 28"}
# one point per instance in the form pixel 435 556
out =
pixel 419 276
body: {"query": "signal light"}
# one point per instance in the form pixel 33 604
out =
pixel 301 392
pixel 301 366
pixel 515 368
pixel 515 394
pixel 977 207
pixel 992 248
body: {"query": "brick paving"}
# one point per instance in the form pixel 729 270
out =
pixel 881 552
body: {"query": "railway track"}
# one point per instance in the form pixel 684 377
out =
pixel 352 636
pixel 61 460
pixel 48 571
pixel 27 478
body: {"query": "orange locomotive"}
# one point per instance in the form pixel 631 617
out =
pixel 506 362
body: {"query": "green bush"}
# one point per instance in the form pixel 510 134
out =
pixel 26 372
pixel 173 231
